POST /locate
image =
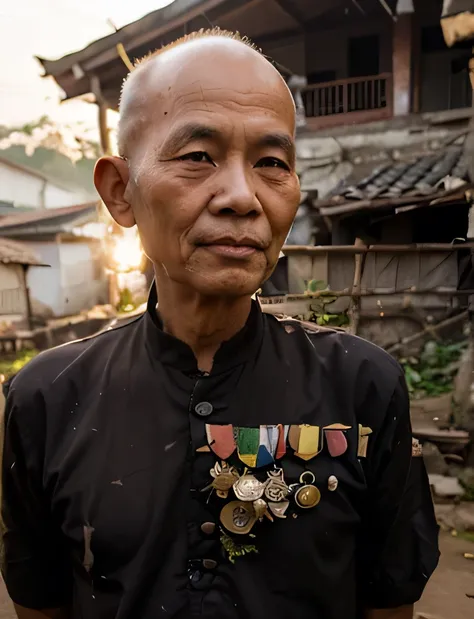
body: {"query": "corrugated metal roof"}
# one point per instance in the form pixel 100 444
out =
pixel 13 252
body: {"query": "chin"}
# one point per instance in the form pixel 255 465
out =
pixel 231 283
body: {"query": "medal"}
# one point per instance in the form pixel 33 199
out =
pixel 332 483
pixel 307 495
pixel 276 489
pixel 224 478
pixel 221 440
pixel 260 508
pixel 248 488
pixel 364 433
pixel 278 509
pixel 336 439
pixel 238 517
pixel 248 443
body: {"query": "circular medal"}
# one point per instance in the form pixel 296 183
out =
pixel 238 517
pixel 307 495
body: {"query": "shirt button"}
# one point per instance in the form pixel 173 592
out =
pixel 208 528
pixel 203 409
pixel 209 564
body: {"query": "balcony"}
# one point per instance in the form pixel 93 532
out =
pixel 349 101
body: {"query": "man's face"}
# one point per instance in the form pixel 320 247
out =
pixel 212 179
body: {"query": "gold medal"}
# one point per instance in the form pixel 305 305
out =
pixel 307 495
pixel 224 478
pixel 238 517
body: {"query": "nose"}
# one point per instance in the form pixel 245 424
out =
pixel 235 193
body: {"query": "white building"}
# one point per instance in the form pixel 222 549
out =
pixel 22 186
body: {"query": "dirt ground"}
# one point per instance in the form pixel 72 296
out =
pixel 444 598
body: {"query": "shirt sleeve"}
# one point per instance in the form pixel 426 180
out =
pixel 398 548
pixel 35 568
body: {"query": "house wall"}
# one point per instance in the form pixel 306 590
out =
pixel 83 282
pixel 329 49
pixel 12 293
pixel 44 282
pixel 24 189
pixel 290 53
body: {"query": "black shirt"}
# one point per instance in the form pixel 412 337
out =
pixel 107 502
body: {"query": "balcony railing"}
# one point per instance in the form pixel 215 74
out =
pixel 364 97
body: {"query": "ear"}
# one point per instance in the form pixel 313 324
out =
pixel 111 177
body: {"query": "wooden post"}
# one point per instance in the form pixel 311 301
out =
pixel 354 309
pixel 102 107
pixel 402 64
pixel 29 311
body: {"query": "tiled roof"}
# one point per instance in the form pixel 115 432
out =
pixel 12 252
pixel 421 176
pixel 44 215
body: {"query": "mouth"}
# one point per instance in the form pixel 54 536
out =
pixel 233 248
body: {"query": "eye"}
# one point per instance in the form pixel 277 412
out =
pixel 196 157
pixel 272 162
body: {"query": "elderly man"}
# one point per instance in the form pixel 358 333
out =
pixel 207 460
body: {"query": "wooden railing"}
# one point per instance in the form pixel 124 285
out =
pixel 359 94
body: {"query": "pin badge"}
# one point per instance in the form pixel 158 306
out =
pixel 332 483
pixel 238 517
pixel 307 495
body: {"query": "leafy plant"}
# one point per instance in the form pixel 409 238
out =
pixel 11 364
pixel 433 372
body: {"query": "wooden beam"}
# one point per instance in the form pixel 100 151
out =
pixel 288 7
pixel 414 248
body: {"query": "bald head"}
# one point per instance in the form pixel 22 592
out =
pixel 205 62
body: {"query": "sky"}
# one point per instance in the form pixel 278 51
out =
pixel 51 29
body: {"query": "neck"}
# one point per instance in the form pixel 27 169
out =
pixel 203 323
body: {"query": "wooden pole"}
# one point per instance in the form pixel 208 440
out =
pixel 29 311
pixel 354 308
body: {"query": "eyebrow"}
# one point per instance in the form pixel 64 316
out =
pixel 188 133
pixel 281 141
pixel 194 131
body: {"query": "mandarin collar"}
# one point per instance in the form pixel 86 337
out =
pixel 169 350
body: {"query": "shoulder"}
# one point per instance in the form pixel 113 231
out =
pixel 343 361
pixel 52 369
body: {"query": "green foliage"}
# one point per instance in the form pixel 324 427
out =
pixel 319 312
pixel 126 302
pixel 11 364
pixel 433 372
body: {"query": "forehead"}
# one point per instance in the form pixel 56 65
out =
pixel 241 85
